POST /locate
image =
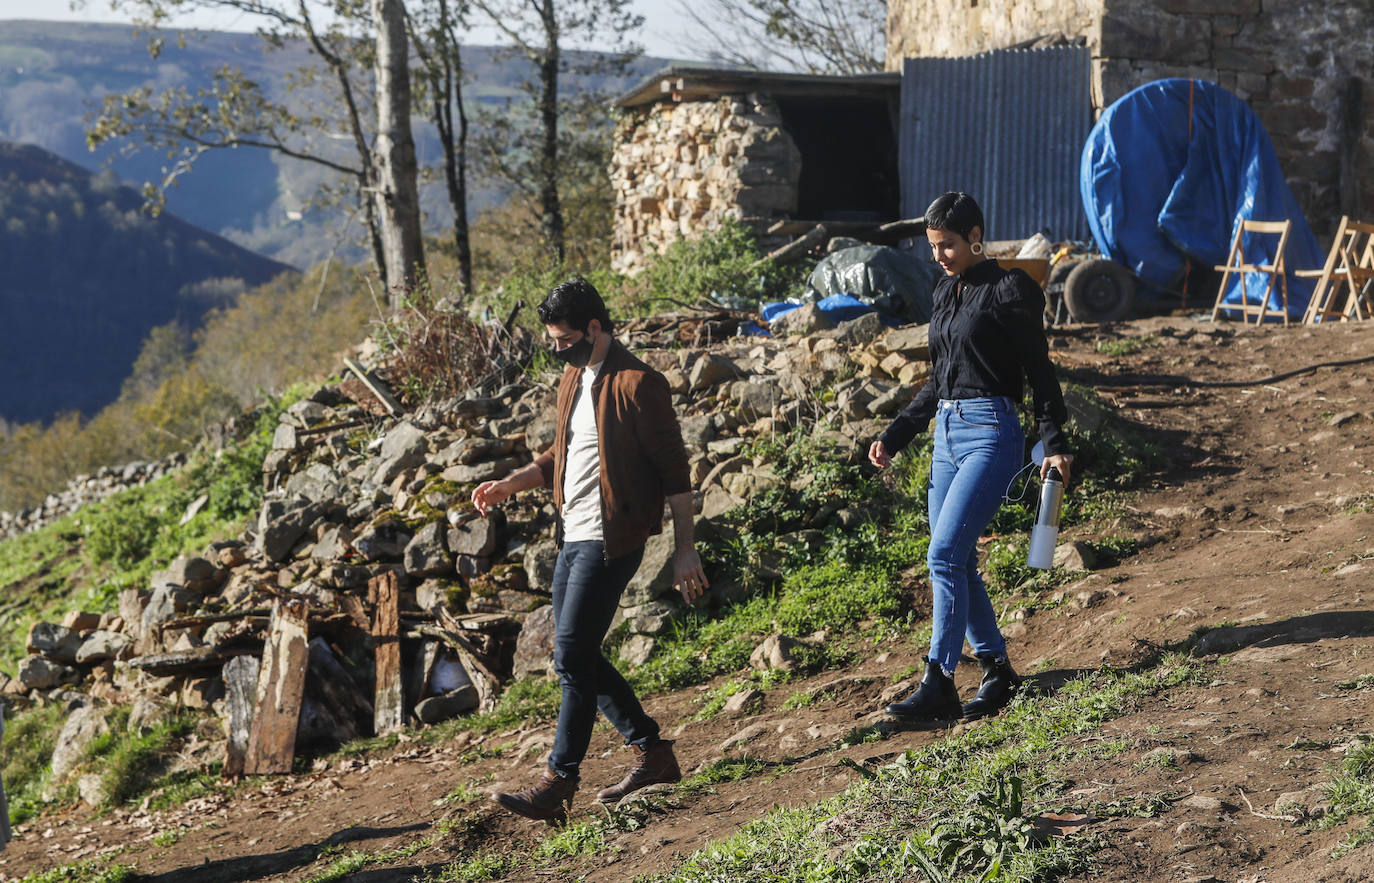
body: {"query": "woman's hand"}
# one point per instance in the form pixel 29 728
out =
pixel 1057 461
pixel 490 493
pixel 878 455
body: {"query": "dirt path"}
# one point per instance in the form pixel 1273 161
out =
pixel 1261 531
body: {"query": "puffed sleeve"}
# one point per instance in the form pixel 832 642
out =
pixel 1021 309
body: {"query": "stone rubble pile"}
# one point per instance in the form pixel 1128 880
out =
pixel 351 498
pixel 86 489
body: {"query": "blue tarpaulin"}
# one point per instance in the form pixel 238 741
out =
pixel 1169 171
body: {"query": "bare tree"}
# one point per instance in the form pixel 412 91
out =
pixel 237 112
pixel 396 192
pixel 540 31
pixel 811 36
pixel 433 29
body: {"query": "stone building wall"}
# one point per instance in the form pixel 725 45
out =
pixel 679 169
pixel 1303 65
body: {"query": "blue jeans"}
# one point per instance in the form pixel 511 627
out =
pixel 979 446
pixel 586 591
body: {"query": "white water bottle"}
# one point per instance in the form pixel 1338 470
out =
pixel 1046 530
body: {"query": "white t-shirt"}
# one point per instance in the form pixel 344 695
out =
pixel 582 471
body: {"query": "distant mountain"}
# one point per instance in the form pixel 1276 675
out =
pixel 86 275
pixel 53 73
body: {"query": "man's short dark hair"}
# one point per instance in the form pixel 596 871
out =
pixel 575 303
pixel 956 212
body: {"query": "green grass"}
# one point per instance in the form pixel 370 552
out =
pixel 132 763
pixel 1352 794
pixel 1126 346
pixel 892 816
pixel 90 871
pixel 30 737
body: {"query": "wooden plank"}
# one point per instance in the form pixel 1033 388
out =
pixel 376 387
pixel 281 686
pixel 794 250
pixel 334 694
pixel 241 687
pixel 388 708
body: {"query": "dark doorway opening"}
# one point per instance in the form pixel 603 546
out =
pixel 849 157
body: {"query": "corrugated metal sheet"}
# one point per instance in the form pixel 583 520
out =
pixel 1006 127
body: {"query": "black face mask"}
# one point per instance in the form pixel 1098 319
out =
pixel 576 354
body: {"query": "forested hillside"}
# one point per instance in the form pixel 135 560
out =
pixel 52 73
pixel 87 275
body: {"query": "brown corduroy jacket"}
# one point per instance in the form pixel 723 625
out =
pixel 643 459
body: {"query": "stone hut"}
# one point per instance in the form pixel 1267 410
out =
pixel 1303 65
pixel 695 147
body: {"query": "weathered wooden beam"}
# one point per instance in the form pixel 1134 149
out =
pixel 388 708
pixel 241 687
pixel 184 662
pixel 794 250
pixel 186 622
pixel 281 686
pixel 334 696
pixel 376 387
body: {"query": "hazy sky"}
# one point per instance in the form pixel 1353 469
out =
pixel 664 25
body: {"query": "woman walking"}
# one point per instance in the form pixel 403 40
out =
pixel 986 333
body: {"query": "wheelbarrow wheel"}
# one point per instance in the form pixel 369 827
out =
pixel 1099 291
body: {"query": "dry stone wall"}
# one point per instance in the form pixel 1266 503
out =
pixel 1303 65
pixel 680 169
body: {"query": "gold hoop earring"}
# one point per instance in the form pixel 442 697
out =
pixel 976 248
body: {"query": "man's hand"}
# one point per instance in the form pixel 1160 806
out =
pixel 688 576
pixel 878 455
pixel 490 493
pixel 1058 461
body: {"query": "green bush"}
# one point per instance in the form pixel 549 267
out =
pixel 719 265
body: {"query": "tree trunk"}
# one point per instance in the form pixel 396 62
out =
pixel 448 91
pixel 397 196
pixel 551 207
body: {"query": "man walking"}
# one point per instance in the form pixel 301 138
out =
pixel 617 454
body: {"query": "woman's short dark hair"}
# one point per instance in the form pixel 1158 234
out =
pixel 575 303
pixel 956 212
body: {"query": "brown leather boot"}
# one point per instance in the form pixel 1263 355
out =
pixel 653 766
pixel 547 800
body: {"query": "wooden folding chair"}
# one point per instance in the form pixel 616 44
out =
pixel 1235 263
pixel 1344 283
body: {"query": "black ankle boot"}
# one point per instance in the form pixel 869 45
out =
pixel 999 685
pixel 936 698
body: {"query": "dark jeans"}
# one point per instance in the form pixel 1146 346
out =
pixel 586 591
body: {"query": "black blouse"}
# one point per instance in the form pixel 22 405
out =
pixel 986 331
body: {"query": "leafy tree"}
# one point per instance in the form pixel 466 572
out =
pixel 813 36
pixel 328 107
pixel 526 145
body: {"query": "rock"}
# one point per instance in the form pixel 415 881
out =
pixel 857 332
pixel 1089 598
pixel 470 567
pixel 186 571
pixel 1309 803
pixel 774 653
pixel 284 439
pixel 281 523
pixel 480 536
pixel 145 714
pixel 718 501
pixel 637 649
pixel 892 401
pixel 697 432
pixel 449 705
pixel 82 727
pixel 41 673
pixel 92 789
pixel 165 603
pixel 131 605
pixel 382 539
pixel 53 641
pixel 540 559
pixel 909 341
pixel 748 734
pixel 334 544
pixel 232 556
pixel 1205 803
pixel 427 554
pixel 806 319
pixel 654 578
pixel 402 448
pixel 754 400
pixel 711 369
pixel 81 620
pixel 317 484
pixel 103 645
pixel 1075 555
pixel 317 409
pixel 654 618
pixel 480 472
pixel 431 593
pixel 539 431
pixel 534 644
pixel 744 702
